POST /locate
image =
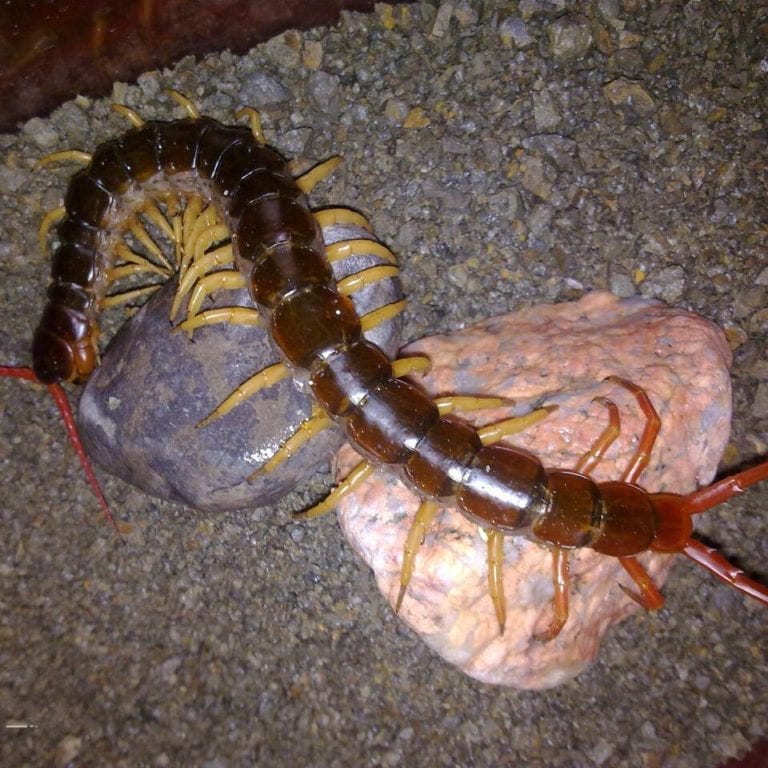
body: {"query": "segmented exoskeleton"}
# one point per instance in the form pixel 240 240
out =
pixel 279 253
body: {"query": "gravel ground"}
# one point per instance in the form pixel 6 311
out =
pixel 511 153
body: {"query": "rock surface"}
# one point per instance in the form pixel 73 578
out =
pixel 558 354
pixel 138 412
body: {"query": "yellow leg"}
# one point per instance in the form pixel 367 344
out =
pixel 405 365
pixel 327 217
pixel 49 220
pixel 492 433
pixel 129 256
pixel 127 270
pixel 359 280
pixel 197 269
pixel 226 279
pixel 561 580
pixel 76 155
pixel 415 538
pixel 346 248
pixel 133 117
pixel 496 575
pixel 266 377
pixel 192 211
pixel 309 180
pixel 255 120
pixel 381 315
pixel 172 202
pixel 184 102
pixel 159 219
pixel 123 252
pixel 116 299
pixel 138 231
pixel 316 423
pixel 178 235
pixel 452 403
pixel 229 315
pixel 205 240
pixel 359 473
pixel 194 224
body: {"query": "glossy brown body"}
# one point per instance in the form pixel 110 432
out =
pixel 279 249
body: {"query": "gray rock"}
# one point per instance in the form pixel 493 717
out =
pixel 570 37
pixel 138 411
pixel 513 31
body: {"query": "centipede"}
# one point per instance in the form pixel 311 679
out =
pixel 278 253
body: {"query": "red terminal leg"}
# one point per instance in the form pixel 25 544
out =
pixel 65 409
pixel 711 560
pixel 708 558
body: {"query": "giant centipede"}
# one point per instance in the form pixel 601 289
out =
pixel 392 422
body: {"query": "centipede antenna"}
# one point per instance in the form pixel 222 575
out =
pixel 75 155
pixel 343 249
pixel 316 423
pixel 133 117
pixel 328 217
pixel 49 220
pixel 357 281
pixel 360 472
pixel 254 117
pixel 183 102
pixel 266 377
pixel 309 180
pixel 381 315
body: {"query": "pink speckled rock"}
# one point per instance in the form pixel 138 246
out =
pixel 548 354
